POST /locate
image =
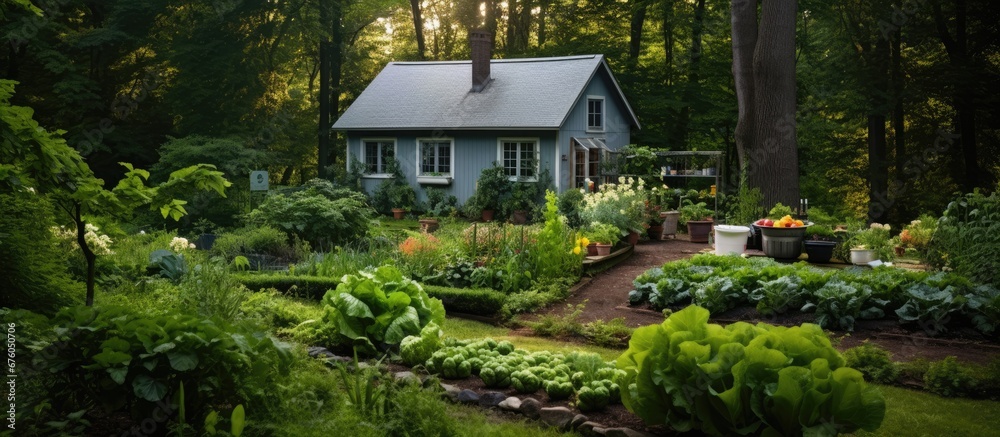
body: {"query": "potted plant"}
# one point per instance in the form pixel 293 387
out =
pixel 870 244
pixel 521 201
pixel 492 189
pixel 698 219
pixel 394 193
pixel 605 235
pixel 820 243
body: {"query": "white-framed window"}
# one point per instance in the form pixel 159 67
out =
pixel 436 156
pixel 595 113
pixel 375 154
pixel 519 158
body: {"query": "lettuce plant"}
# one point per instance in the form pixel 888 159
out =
pixel 839 304
pixel 378 307
pixel 744 379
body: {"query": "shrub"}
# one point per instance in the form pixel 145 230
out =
pixel 319 213
pixel 873 362
pixel 612 334
pixel 742 379
pixel 138 361
pixel 967 238
pixel 947 378
pixel 210 291
pixel 252 240
pixel 33 273
pixel 619 204
pixel 554 246
pixel 476 301
pixel 569 206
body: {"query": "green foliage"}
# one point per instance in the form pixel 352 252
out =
pixel 33 271
pixel 540 295
pixel 743 378
pixel 967 239
pixel 590 398
pixel 947 378
pixel 778 296
pixel 211 291
pixel 440 203
pixel 416 349
pixel 747 205
pixel 493 187
pixel 320 213
pixel 252 240
pixel 554 257
pixel 395 191
pixel 168 264
pixel 311 287
pixel 983 308
pixel 603 233
pixel 873 362
pixel 478 301
pixel 569 206
pixel 137 361
pixel 550 325
pixel 838 305
pixel 612 334
pixel 378 307
pixel 930 307
pixel 778 211
pixel 717 294
pixel 694 211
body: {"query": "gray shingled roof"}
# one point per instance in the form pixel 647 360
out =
pixel 525 93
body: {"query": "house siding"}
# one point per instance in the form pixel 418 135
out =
pixel 474 151
pixel 617 123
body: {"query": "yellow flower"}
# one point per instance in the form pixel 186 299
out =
pixel 576 250
pixel 584 242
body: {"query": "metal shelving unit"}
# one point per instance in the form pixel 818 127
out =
pixel 680 163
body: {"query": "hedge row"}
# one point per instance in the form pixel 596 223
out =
pixel 476 301
pixel 310 287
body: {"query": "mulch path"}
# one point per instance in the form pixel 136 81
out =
pixel 605 297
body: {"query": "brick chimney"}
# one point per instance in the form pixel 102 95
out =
pixel 481 46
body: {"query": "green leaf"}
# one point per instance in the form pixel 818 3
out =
pixel 238 421
pixel 183 361
pixel 145 387
pixel 406 324
pixel 118 374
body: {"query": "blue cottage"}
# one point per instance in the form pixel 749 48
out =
pixel 445 122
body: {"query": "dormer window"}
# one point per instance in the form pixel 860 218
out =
pixel 595 114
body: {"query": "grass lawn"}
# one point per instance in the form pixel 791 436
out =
pixel 908 412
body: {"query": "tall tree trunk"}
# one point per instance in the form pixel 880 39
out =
pixel 899 122
pixel 744 24
pixel 418 28
pixel 511 27
pixel 684 119
pixel 878 163
pixel 964 100
pixel 668 41
pixel 338 44
pixel 774 161
pixel 543 8
pixel 323 152
pixel 491 17
pixel 635 29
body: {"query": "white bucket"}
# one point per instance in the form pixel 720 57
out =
pixel 730 239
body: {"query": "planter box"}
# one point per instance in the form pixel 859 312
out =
pixel 820 251
pixel 434 180
pixel 698 230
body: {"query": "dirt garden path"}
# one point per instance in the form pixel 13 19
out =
pixel 605 297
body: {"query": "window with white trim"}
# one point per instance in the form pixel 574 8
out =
pixel 376 154
pixel 519 158
pixel 595 113
pixel 435 157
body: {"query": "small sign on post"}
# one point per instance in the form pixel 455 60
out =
pixel 258 180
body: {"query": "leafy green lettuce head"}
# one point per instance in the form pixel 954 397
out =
pixel 743 378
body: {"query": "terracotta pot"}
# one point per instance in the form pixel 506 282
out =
pixel 699 230
pixel 398 213
pixel 655 232
pixel 487 215
pixel 519 217
pixel 900 250
pixel 592 249
pixel 633 238
pixel 603 249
